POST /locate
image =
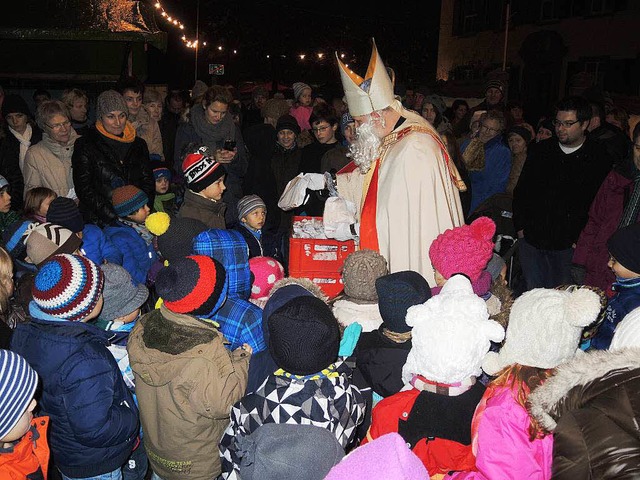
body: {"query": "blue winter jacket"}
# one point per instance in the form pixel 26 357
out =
pixel 94 420
pixel 137 256
pixel 97 247
pixel 495 175
pixel 626 299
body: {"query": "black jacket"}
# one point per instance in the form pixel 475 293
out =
pixel 592 406
pixel 554 192
pixel 100 164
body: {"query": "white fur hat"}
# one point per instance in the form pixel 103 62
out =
pixel 451 334
pixel 544 328
pixel 627 333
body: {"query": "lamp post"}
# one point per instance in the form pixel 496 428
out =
pixel 197 39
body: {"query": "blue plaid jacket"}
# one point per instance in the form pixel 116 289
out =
pixel 240 320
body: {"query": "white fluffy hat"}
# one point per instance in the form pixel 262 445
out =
pixel 544 328
pixel 451 334
pixel 627 333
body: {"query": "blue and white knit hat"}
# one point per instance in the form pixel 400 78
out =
pixel 68 287
pixel 18 382
pixel 248 204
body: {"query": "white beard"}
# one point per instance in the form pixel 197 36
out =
pixel 365 147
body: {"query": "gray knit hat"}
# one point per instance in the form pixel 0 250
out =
pixel 121 295
pixel 248 204
pixel 110 101
pixel 298 87
pixel 360 271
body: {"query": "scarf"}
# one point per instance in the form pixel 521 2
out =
pixel 128 136
pixel 632 209
pixel 140 230
pixel 25 142
pixel 395 336
pixel 62 152
pixel 211 135
pixel 473 155
pixel 449 389
pixel 158 204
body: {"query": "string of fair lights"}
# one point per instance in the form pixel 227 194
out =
pixel 174 22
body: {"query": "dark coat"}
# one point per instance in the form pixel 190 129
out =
pixel 207 211
pixel 591 405
pixel 284 165
pixel 99 163
pixel 554 192
pixel 254 245
pixel 10 164
pixel 94 420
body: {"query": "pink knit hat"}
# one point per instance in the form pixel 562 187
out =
pixel 266 271
pixel 466 249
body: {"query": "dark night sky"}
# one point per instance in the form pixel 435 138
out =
pixel 406 38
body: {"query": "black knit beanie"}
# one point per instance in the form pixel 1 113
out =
pixel 624 246
pixel 64 212
pixel 396 293
pixel 304 336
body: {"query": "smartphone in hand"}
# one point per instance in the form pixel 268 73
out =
pixel 229 145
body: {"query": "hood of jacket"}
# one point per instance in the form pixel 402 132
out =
pixel 550 400
pixel 164 343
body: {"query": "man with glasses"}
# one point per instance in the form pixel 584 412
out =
pixel 487 159
pixel 552 198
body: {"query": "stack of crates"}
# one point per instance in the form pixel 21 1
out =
pixel 319 260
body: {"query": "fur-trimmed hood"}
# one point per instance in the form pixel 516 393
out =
pixel 547 402
pixel 305 283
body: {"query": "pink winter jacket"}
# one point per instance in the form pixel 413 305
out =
pixel 502 446
pixel 301 114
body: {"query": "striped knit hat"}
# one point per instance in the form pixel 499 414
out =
pixel 201 169
pixel 195 285
pixel 18 382
pixel 68 287
pixel 47 239
pixel 248 204
pixel 127 199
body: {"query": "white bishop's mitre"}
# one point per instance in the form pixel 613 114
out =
pixel 371 93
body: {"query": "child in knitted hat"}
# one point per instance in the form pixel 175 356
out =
pixel 204 177
pixel 7 216
pixel 624 262
pixel 451 336
pixel 174 352
pixel 252 214
pixel 359 303
pixel 302 105
pixel 129 234
pixel 95 245
pixel 165 199
pixel 23 438
pixel 94 420
pixel 544 331
pixel 312 384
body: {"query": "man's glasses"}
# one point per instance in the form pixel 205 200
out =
pixel 488 129
pixel 320 129
pixel 59 126
pixel 565 124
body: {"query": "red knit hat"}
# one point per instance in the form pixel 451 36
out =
pixel 200 169
pixel 466 249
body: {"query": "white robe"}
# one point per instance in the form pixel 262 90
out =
pixel 417 200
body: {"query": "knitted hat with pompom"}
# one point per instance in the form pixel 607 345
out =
pixel 174 235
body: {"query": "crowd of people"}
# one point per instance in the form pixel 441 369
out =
pixel 150 327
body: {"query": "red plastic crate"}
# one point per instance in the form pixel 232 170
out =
pixel 330 283
pixel 318 255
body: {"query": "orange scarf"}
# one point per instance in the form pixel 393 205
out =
pixel 128 136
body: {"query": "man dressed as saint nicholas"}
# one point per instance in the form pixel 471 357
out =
pixel 401 179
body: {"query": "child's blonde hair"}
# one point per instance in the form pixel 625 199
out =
pixel 6 280
pixel 33 200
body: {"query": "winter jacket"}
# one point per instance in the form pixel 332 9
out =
pixel 500 436
pixel 302 114
pixel 379 362
pixel 254 243
pixel 591 406
pixel 100 164
pixel 94 420
pixel 97 247
pixel 48 164
pixel 436 427
pixel 137 255
pixel 494 176
pixel 148 130
pixel 284 165
pixel 552 198
pixel 240 321
pixel 604 215
pixel 208 211
pixel 186 382
pixel 328 401
pixel 626 299
pixel 29 458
